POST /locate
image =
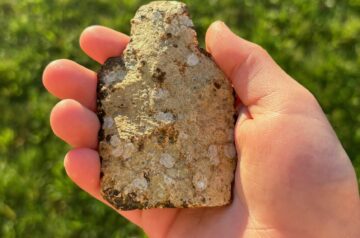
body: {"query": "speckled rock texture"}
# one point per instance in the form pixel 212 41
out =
pixel 167 117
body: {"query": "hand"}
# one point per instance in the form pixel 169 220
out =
pixel 293 177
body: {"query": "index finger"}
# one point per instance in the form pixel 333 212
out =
pixel 100 42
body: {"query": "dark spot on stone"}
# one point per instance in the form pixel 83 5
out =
pixel 168 35
pixel 203 200
pixel 163 37
pixel 182 158
pixel 101 114
pixel 109 65
pixel 182 69
pixel 185 11
pixel 175 45
pixel 185 204
pixel 166 204
pixel 169 204
pixel 147 176
pixel 124 201
pixel 173 136
pixel 101 174
pixel 141 145
pixel 235 116
pixel 166 135
pixel 111 192
pixel 182 66
pixel 108 137
pixel 143 62
pixel 135 52
pixel 204 52
pixel 161 136
pixel 168 20
pixel 158 75
pixel 101 134
pixel 102 94
pixel 217 85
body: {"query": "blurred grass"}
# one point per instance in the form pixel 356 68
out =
pixel 317 42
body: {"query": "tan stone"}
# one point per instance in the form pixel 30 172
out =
pixel 167 117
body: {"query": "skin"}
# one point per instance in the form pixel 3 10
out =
pixel 293 177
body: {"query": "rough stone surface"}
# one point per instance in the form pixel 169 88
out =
pixel 167 118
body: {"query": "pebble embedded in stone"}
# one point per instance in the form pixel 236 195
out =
pixel 168 180
pixel 108 122
pixel 230 151
pixel 113 77
pixel 160 93
pixel 200 182
pixel 189 158
pixel 129 149
pixel 192 60
pixel 114 140
pixel 140 183
pixel 213 154
pixel 165 117
pixel 183 136
pixel 157 16
pixel 117 152
pixel 167 160
pixel 186 21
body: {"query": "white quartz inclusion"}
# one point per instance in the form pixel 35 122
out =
pixel 113 76
pixel 129 149
pixel 140 183
pixel 166 117
pixel 213 154
pixel 200 182
pixel 108 122
pixel 160 93
pixel 114 140
pixel 117 152
pixel 192 60
pixel 167 160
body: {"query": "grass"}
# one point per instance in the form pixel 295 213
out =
pixel 316 42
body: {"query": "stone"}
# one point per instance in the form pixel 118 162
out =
pixel 167 117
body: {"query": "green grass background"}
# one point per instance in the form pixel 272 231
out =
pixel 317 42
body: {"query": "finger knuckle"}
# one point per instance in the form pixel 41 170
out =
pixel 259 53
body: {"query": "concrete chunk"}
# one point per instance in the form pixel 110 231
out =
pixel 166 111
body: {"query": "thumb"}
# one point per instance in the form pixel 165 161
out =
pixel 258 81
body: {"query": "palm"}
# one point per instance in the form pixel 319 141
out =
pixel 284 172
pixel 199 222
